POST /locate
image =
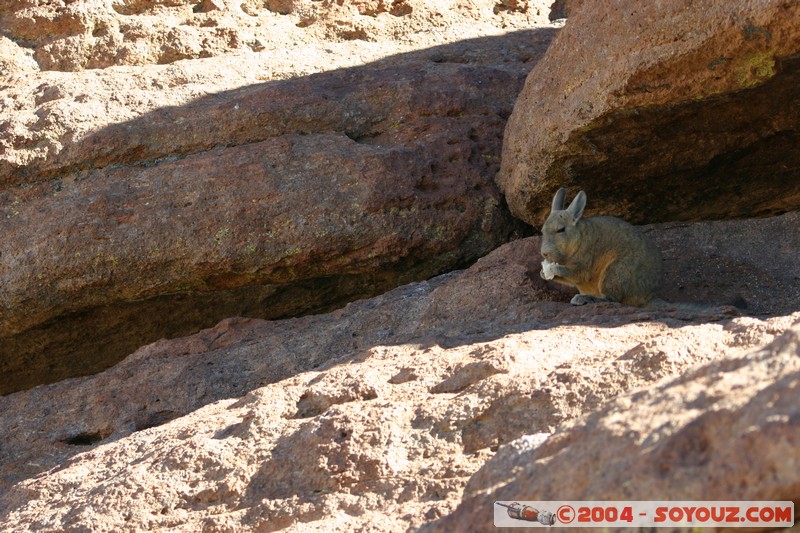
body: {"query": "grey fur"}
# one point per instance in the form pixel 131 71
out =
pixel 605 258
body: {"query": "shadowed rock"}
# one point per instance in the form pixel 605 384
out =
pixel 273 200
pixel 662 113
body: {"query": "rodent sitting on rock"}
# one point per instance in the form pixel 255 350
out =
pixel 605 258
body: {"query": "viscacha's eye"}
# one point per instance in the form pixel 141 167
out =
pixel 561 230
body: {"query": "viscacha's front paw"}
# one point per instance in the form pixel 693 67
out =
pixel 548 269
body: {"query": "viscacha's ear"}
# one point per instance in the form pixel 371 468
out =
pixel 577 206
pixel 558 200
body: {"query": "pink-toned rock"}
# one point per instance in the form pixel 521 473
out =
pixel 728 430
pixel 273 200
pixel 14 58
pixel 141 200
pixel 123 122
pixel 144 186
pixel 661 111
pixel 73 35
pixel 382 412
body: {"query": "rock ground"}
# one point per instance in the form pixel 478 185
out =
pixel 416 408
pixel 381 414
pixel 725 431
pixel 151 199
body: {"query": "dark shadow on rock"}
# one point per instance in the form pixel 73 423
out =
pixel 499 295
pixel 136 216
pixel 754 176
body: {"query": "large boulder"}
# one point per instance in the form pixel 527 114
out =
pixel 145 202
pixel 662 111
pixel 383 411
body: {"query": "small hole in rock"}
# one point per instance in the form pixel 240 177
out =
pixel 86 439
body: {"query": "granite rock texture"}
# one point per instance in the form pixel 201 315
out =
pixel 662 111
pixel 728 430
pixel 146 199
pixel 406 408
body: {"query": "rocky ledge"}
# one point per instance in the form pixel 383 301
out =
pixel 151 198
pixel 385 414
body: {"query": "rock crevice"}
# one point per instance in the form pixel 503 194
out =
pixel 255 201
